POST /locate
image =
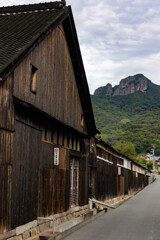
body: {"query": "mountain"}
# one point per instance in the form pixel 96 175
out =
pixel 129 112
pixel 126 86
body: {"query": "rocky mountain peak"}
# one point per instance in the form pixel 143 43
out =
pixel 126 86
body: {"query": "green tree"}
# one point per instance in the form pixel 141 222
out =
pixel 150 165
pixel 131 118
pixel 127 149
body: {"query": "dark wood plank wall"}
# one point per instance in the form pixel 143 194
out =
pixel 83 197
pixel 6 104
pixel 54 182
pixel 38 187
pixel 6 154
pixel 53 195
pixel 25 174
pixel 57 92
pixel 6 151
pixel 38 183
pixel 83 174
pixel 109 184
pixel 133 183
pixel 106 184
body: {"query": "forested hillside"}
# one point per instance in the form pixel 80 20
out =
pixel 130 118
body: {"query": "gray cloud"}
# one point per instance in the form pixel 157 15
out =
pixel 117 38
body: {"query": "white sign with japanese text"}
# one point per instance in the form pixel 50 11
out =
pixel 56 156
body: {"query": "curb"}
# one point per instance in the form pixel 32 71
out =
pixel 67 232
pixel 74 228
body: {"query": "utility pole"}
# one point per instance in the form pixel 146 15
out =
pixel 153 152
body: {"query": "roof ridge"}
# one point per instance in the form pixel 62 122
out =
pixel 32 7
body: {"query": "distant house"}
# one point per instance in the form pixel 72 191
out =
pixel 153 158
pixel 46 116
pixel 144 157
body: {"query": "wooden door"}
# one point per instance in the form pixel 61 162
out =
pixel 120 185
pixel 74 181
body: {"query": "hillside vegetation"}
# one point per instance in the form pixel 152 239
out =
pixel 131 118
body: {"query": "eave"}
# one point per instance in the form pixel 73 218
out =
pixel 29 108
pixel 79 71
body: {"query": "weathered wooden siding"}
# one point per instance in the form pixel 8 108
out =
pixel 39 188
pixel 136 183
pixel 6 151
pixel 106 184
pixel 6 155
pixel 132 182
pixel 57 92
pixel 6 104
pixel 110 182
pixel 31 185
pixel 53 195
pixel 83 172
pixel 25 174
pixel 127 172
pixel 54 182
pixel 83 182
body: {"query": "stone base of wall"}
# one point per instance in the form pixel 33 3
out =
pixel 33 229
pixel 59 223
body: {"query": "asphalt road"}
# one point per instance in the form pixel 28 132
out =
pixel 137 219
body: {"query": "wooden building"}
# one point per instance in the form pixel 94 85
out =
pixel 46 117
pixel 112 174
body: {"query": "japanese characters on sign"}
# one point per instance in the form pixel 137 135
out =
pixel 56 156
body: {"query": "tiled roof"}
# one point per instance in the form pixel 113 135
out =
pixel 20 26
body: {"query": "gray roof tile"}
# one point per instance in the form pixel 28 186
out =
pixel 20 26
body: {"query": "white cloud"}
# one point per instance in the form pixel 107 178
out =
pixel 117 38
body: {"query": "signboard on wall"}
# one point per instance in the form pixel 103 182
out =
pixel 56 156
pixel 119 170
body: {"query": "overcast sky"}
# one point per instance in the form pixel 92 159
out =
pixel 117 38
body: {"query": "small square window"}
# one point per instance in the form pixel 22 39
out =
pixel 33 79
pixel 82 120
